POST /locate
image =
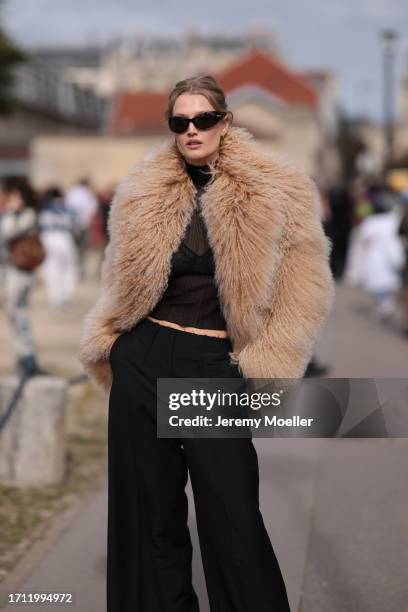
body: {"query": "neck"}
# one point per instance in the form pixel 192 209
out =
pixel 200 175
pixel 202 162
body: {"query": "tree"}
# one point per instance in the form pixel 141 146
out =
pixel 10 55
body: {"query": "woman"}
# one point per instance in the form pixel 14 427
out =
pixel 382 253
pixel 18 203
pixel 217 266
pixel 58 228
pixel 403 233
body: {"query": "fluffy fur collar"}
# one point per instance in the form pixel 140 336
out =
pixel 256 206
pixel 244 209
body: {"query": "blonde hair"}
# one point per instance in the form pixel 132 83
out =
pixel 206 86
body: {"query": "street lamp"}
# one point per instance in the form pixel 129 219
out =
pixel 389 38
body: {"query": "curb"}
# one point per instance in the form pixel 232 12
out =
pixel 49 538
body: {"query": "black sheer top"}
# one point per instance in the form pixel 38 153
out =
pixel 191 297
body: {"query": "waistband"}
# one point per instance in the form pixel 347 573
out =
pixel 203 338
pixel 189 329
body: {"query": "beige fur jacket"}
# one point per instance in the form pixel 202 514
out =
pixel 270 251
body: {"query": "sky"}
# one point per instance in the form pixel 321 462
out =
pixel 341 35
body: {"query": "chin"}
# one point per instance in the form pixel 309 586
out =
pixel 196 157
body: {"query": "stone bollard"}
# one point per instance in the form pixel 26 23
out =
pixel 33 441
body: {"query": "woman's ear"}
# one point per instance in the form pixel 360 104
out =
pixel 225 128
pixel 230 119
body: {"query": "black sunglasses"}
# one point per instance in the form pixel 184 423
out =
pixel 203 121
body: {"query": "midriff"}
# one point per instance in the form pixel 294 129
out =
pixel 215 333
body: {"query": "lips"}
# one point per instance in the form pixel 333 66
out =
pixel 193 143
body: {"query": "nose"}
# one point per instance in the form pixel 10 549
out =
pixel 191 130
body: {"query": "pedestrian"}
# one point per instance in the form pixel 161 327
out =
pixel 18 221
pixel 403 233
pixel 381 252
pixel 99 227
pixel 105 198
pixel 339 226
pixel 59 228
pixel 217 266
pixel 82 202
pixel 361 208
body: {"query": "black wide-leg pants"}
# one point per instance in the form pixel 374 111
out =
pixel 148 546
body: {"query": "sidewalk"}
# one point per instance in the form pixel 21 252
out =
pixel 334 510
pixel 75 561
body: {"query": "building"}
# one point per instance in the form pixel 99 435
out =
pixel 372 135
pixel 45 104
pixel 291 113
pixel 151 63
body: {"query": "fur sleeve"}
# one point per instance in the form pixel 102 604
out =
pixel 98 330
pixel 302 296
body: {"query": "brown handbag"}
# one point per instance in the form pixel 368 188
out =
pixel 27 252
